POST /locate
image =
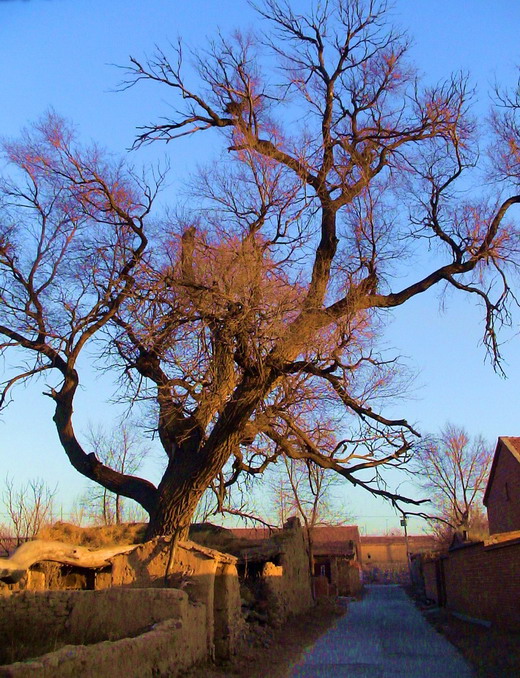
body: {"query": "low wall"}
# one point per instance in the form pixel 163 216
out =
pixel 169 630
pixel 205 574
pixel 137 595
pixel 480 580
pixel 80 617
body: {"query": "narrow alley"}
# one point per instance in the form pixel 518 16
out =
pixel 382 636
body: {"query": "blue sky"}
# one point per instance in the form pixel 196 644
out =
pixel 61 54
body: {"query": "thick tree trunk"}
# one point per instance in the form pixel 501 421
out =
pixel 186 479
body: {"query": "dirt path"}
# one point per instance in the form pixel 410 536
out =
pixel 271 653
pixel 382 636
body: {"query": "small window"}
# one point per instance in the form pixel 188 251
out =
pixel 508 498
pixel 368 556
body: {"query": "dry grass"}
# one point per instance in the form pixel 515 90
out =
pixel 95 536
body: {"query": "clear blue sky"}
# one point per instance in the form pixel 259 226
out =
pixel 60 54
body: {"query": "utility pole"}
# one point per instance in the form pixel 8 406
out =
pixel 404 523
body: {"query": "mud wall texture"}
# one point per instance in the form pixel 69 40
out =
pixel 208 576
pixel 168 649
pixel 79 617
pixel 155 611
pixel 288 584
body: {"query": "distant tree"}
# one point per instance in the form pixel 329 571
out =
pixel 454 470
pixel 122 450
pixel 29 507
pixel 298 487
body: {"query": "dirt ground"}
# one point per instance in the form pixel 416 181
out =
pixel 269 652
pixel 492 652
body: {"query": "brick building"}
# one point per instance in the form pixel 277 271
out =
pixel 502 496
pixel 482 579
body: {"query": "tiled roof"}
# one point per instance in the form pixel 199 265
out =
pixel 416 540
pixel 338 540
pixel 335 540
pixel 514 445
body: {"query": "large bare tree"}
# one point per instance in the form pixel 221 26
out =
pixel 259 308
pixel 453 469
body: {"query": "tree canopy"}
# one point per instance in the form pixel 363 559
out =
pixel 252 323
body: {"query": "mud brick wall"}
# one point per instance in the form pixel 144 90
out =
pixel 79 617
pixel 167 649
pixel 288 583
pixel 206 575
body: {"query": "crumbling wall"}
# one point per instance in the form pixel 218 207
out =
pixel 349 579
pixel 145 630
pixel 208 578
pixel 288 583
pixel 207 575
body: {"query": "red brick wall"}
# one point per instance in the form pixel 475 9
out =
pixel 484 582
pixel 503 503
pixel 430 580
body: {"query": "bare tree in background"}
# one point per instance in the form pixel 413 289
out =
pixel 454 470
pixel 303 489
pixel 29 507
pixel 121 449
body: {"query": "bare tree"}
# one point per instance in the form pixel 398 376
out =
pixel 264 302
pixel 454 470
pixel 122 450
pixel 29 508
pixel 305 490
pixel 71 239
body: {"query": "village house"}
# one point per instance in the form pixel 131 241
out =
pixel 336 555
pixel 385 558
pixel 502 496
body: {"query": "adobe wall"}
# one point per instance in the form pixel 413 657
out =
pixel 207 575
pixel 90 616
pixel 289 583
pixel 503 503
pixel 207 611
pixel 348 578
pixel 171 632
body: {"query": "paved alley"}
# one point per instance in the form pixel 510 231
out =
pixel 382 636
